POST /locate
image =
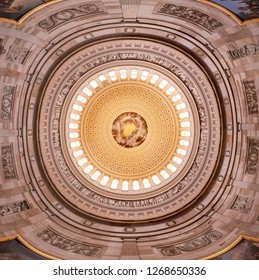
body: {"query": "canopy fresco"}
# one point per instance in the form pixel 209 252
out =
pixel 14 9
pixel 244 9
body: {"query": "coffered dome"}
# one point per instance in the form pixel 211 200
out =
pixel 129 130
pixel 140 109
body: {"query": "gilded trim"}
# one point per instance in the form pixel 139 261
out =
pixel 229 13
pixel 225 10
pixel 231 246
pixel 28 246
pixel 26 15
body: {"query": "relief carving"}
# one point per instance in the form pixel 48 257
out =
pixel 252 156
pixel 14 208
pixel 192 15
pixel 246 50
pixel 8 162
pixel 69 14
pixel 69 245
pixel 251 97
pixel 243 204
pixel 17 54
pixel 2 50
pixel 192 245
pixel 6 107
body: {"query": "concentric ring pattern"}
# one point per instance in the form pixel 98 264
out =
pixel 91 166
pixel 165 110
pixel 128 129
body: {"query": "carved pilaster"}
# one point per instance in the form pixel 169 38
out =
pixel 243 204
pixel 64 243
pixel 252 156
pixel 9 169
pixel 192 15
pixel 6 107
pixel 130 9
pixel 251 97
pixel 192 245
pixel 129 250
pixel 14 208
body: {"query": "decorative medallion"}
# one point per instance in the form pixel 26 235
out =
pixel 129 130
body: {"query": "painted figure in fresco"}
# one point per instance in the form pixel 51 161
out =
pixel 245 9
pixel 129 130
pixel 13 9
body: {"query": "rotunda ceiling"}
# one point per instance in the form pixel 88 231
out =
pixel 140 132
pixel 130 106
pixel 183 136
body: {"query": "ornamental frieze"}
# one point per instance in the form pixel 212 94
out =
pixel 67 244
pixel 2 50
pixel 251 97
pixel 193 15
pixel 246 50
pixel 70 14
pixel 9 169
pixel 16 54
pixel 192 245
pixel 243 204
pixel 13 208
pixel 252 156
pixel 7 99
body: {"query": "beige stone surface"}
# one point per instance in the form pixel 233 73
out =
pixel 45 200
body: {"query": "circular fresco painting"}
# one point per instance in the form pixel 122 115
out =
pixel 129 130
